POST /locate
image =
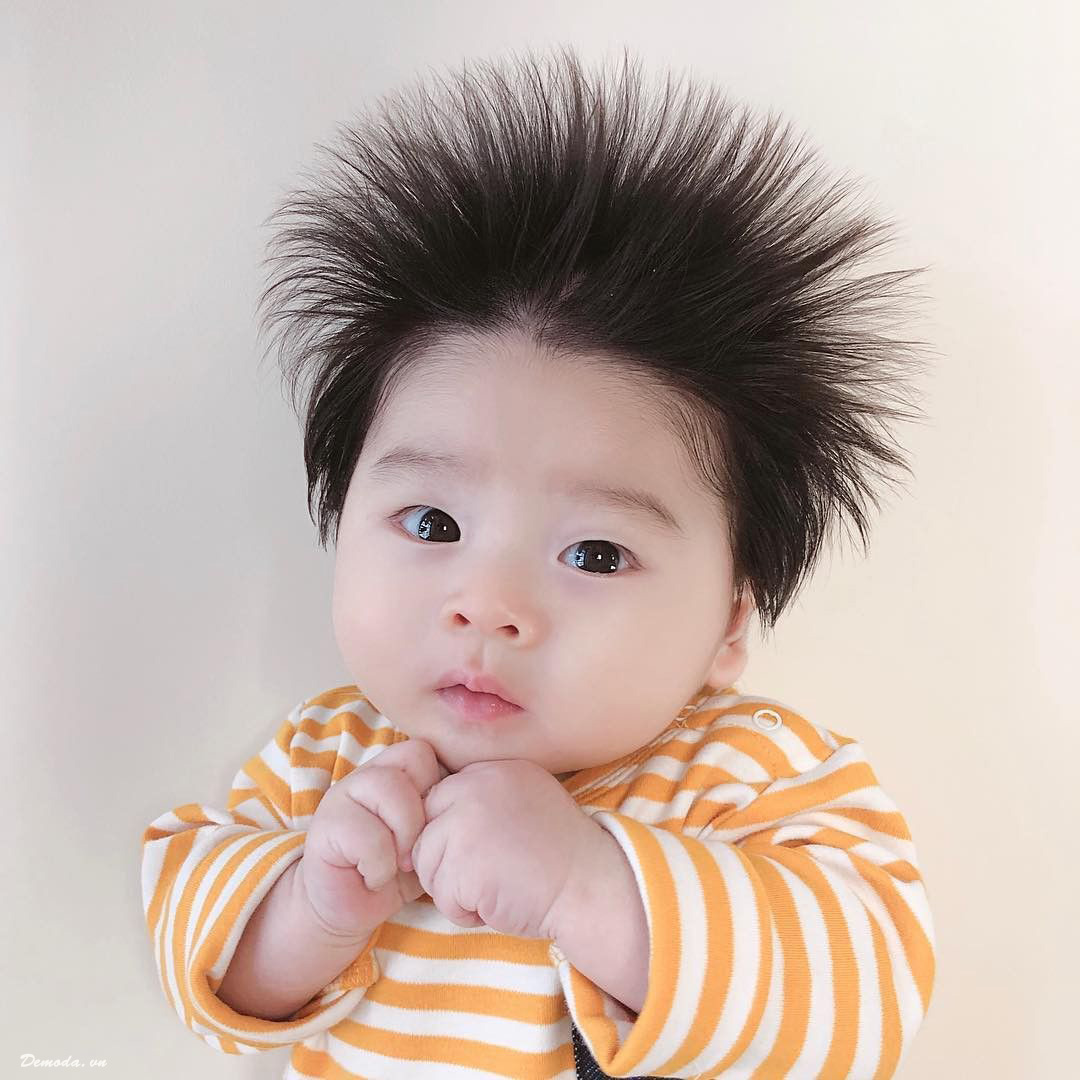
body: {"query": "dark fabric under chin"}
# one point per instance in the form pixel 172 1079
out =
pixel 587 1069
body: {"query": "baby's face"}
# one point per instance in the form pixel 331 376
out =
pixel 599 621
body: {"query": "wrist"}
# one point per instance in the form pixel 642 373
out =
pixel 305 914
pixel 593 872
pixel 605 893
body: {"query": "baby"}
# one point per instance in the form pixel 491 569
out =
pixel 568 340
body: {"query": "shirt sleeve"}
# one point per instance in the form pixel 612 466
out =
pixel 788 935
pixel 205 871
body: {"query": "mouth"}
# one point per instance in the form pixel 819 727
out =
pixel 474 705
pixel 479 684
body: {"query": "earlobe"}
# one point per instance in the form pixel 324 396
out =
pixel 731 658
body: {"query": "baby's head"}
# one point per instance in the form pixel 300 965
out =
pixel 590 384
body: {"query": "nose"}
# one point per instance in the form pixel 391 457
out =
pixel 492 595
pixel 484 622
pixel 490 610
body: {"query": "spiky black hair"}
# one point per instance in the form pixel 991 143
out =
pixel 695 246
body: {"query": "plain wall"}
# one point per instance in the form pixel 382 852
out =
pixel 164 600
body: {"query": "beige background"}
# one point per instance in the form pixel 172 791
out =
pixel 163 598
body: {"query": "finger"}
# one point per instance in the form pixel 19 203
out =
pixel 416 758
pixel 364 844
pixel 453 911
pixel 396 803
pixel 428 855
pixel 438 798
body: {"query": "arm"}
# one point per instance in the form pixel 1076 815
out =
pixel 207 871
pixel 285 956
pixel 790 933
pixel 606 894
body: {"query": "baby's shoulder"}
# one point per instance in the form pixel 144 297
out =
pixel 344 721
pixel 755 734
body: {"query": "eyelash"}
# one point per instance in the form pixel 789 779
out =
pixel 618 573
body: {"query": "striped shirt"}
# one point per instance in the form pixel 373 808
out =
pixel 789 928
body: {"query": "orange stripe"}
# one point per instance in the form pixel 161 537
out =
pixel 347 722
pixel 176 851
pixel 224 875
pixel 589 1007
pixel 718 965
pixel 809 735
pixel 764 967
pixel 229 1045
pixel 795 1013
pixel 306 802
pixel 662 790
pixel 845 970
pixel 182 912
pixel 823 837
pixel 917 947
pixel 777 805
pixel 206 955
pixel 843 740
pixel 175 854
pixel 273 787
pixel 335 698
pixel 891 1044
pixel 759 747
pixel 462 997
pixel 443 1049
pixel 883 821
pixel 430 944
pixel 303 758
pixel 190 993
pixel 705 811
pixel 662 903
pixel 811 738
pixel 238 796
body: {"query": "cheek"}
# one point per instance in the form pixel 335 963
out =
pixel 374 613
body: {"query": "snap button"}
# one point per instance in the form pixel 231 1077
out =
pixel 767 719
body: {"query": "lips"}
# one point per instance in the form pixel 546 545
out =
pixel 477 682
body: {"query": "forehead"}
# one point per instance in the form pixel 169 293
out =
pixel 489 411
pixel 497 393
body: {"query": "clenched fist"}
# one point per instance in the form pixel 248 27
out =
pixel 503 845
pixel 356 870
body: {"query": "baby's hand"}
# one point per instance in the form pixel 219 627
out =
pixel 503 844
pixel 356 869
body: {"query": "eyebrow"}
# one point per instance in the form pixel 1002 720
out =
pixel 406 460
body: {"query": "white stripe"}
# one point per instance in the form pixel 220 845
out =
pixel 651 811
pixel 798 754
pixel 822 1019
pixel 746 956
pixel 764 1040
pixel 461 1023
pixel 253 808
pixel 908 999
pixel 153 859
pixel 269 843
pixel 275 759
pixel 309 778
pixel 719 754
pixel 369 1064
pixel 464 971
pixel 847 755
pixel 840 873
pixel 877 847
pixel 691 956
pixel 756 701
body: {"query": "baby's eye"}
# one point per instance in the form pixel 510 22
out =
pixel 598 556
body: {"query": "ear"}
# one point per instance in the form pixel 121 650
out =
pixel 730 660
